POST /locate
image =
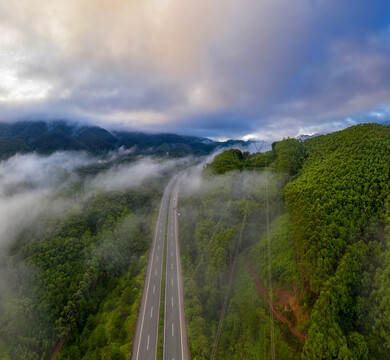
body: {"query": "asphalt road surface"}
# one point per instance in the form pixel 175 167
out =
pixel 146 334
pixel 175 345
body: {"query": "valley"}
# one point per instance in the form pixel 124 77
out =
pixel 281 254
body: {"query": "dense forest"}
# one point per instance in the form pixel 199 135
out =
pixel 285 254
pixel 221 219
pixel 75 277
pixel 321 261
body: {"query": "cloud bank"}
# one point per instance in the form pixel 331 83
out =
pixel 28 184
pixel 221 68
pixel 135 174
pixel 33 186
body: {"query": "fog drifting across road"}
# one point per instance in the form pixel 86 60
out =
pixel 41 197
pixel 132 175
pixel 30 184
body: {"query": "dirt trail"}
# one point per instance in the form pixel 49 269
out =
pixel 58 347
pixel 262 290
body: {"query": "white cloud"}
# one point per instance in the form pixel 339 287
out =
pixel 183 65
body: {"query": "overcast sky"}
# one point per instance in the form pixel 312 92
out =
pixel 216 68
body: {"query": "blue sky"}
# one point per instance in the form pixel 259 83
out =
pixel 222 68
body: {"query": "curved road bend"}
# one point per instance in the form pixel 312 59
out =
pixel 146 332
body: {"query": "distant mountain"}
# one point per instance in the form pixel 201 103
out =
pixel 304 137
pixel 48 137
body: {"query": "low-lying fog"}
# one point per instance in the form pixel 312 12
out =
pixel 30 184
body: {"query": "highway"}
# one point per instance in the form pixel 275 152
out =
pixel 146 334
pixel 175 345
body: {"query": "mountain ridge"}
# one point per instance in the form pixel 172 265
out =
pixel 47 137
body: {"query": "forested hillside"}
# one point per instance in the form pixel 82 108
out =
pixel 73 273
pixel 285 254
pixel 62 275
pixel 220 218
pixel 48 137
pixel 339 210
pixel 323 258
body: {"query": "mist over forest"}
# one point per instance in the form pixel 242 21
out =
pixel 47 137
pixel 284 252
pixel 74 227
pixel 205 180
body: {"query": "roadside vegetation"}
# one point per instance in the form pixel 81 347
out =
pixel 220 218
pixel 75 279
pixel 324 264
pixel 285 254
